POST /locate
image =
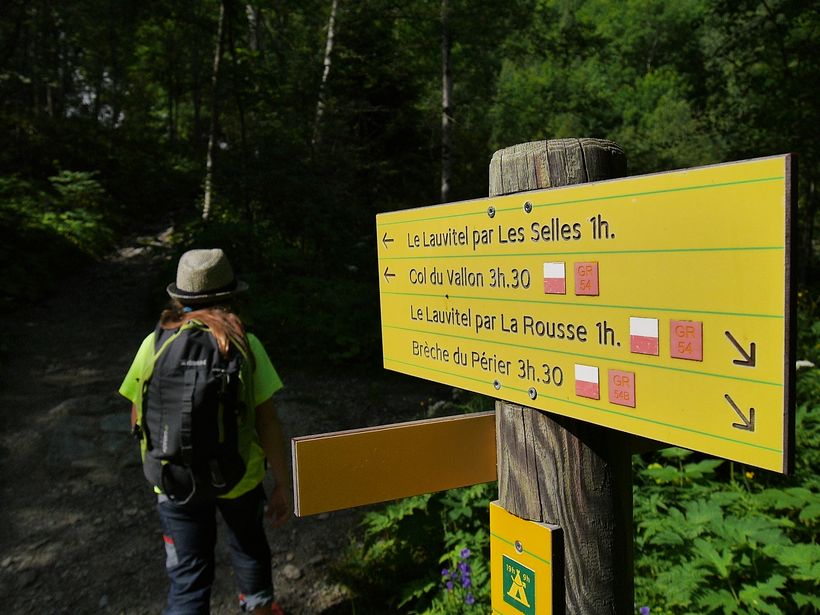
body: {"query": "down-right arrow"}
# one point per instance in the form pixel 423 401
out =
pixel 749 358
pixel 748 423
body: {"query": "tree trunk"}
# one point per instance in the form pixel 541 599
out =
pixel 209 161
pixel 196 100
pixel 33 61
pixel 446 103
pixel 320 103
pixel 556 469
pixel 243 131
pixel 252 14
pixel 172 133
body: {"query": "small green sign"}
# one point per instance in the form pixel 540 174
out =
pixel 519 586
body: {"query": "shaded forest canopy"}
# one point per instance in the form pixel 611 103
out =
pixel 303 119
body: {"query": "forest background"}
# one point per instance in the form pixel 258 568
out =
pixel 277 129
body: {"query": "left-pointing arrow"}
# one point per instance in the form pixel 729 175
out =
pixel 388 275
pixel 386 240
pixel 748 424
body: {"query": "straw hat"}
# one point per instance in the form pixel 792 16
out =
pixel 205 276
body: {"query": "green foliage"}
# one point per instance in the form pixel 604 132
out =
pixel 425 554
pixel 67 219
pixel 628 72
pixel 676 84
pixel 128 95
pixel 808 326
pixel 84 229
pixel 339 324
pixel 408 545
pixel 713 546
pixel 714 537
pixel 78 213
pixel 392 563
pixel 465 574
pixel 78 190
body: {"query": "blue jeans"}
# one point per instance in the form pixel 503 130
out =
pixel 189 532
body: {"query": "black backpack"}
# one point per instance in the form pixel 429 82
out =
pixel 191 410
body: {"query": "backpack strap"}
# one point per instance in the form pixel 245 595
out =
pixel 246 374
pixel 185 437
pixel 159 347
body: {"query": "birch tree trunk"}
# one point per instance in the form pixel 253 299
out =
pixel 252 14
pixel 446 103
pixel 320 103
pixel 209 161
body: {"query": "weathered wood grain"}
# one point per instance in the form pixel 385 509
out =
pixel 555 469
pixel 555 163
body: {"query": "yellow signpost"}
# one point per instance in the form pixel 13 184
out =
pixel 364 466
pixel 657 305
pixel 526 565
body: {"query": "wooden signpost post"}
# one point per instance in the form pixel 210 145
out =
pixel 575 475
pixel 649 308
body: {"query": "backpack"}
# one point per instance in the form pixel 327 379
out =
pixel 191 412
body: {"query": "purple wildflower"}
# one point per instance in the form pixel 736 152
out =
pixel 449 586
pixel 464 568
pixel 644 610
pixel 465 553
pixel 445 572
pixel 466 582
pixel 469 599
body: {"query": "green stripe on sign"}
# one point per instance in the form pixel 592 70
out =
pixel 587 252
pixel 588 356
pixel 530 554
pixel 587 305
pixel 628 195
pixel 602 410
pixel 739 182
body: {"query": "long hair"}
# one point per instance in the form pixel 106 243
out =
pixel 222 322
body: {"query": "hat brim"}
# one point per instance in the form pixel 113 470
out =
pixel 196 299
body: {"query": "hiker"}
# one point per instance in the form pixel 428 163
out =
pixel 201 392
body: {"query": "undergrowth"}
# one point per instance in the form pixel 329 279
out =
pixel 424 554
pixel 47 228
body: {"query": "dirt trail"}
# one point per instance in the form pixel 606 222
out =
pixel 78 529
